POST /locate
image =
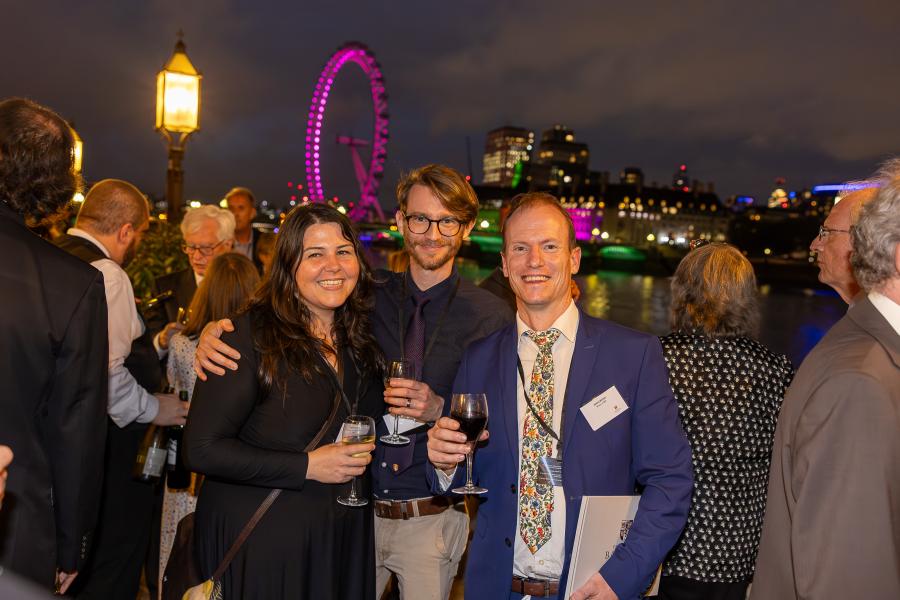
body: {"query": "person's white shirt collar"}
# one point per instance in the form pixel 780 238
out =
pixel 85 235
pixel 197 278
pixel 567 323
pixel 889 309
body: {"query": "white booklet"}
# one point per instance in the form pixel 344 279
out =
pixel 603 523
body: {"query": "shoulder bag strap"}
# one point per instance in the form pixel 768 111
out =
pixel 273 495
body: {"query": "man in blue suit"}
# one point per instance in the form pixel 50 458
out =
pixel 597 399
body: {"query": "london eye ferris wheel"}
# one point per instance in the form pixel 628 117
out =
pixel 369 175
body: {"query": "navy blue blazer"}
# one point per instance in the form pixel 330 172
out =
pixel 641 450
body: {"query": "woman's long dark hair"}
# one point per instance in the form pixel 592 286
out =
pixel 230 281
pixel 283 323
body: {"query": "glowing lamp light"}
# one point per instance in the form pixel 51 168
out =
pixel 78 197
pixel 767 251
pixel 342 210
pixel 595 231
pixel 663 239
pixel 484 224
pixel 196 204
pixel 393 228
pixel 223 203
pixel 651 237
pixel 178 94
pixel 604 235
pixel 680 240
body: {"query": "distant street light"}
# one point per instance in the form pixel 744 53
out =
pixel 177 117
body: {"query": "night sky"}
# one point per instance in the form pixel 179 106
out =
pixel 742 92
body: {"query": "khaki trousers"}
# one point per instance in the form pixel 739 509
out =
pixel 423 552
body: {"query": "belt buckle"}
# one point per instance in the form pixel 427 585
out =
pixel 546 587
pixel 404 514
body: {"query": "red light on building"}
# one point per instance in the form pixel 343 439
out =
pixel 683 167
pixel 290 184
pixel 685 189
pixel 468 178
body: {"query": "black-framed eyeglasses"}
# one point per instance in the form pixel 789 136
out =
pixel 204 250
pixel 824 232
pixel 419 224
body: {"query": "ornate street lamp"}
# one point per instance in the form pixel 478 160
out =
pixel 177 117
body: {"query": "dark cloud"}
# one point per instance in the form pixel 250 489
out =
pixel 742 92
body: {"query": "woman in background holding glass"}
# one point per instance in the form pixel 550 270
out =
pixel 229 282
pixel 729 390
pixel 307 358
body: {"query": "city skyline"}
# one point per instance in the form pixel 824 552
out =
pixel 742 95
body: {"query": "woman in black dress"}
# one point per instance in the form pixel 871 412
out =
pixel 304 330
pixel 729 389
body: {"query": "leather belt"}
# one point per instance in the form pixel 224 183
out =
pixel 540 588
pixel 408 509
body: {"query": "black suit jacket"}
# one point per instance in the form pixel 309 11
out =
pixel 53 401
pixel 183 285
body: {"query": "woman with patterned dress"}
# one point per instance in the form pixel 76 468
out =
pixel 729 389
pixel 306 353
pixel 229 282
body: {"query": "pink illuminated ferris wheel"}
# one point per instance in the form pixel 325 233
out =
pixel 368 177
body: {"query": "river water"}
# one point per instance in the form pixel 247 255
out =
pixel 792 320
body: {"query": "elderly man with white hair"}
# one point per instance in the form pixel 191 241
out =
pixel 208 231
pixel 831 528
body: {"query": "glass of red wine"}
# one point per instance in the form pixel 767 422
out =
pixel 471 412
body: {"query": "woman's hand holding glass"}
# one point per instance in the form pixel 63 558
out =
pixel 339 463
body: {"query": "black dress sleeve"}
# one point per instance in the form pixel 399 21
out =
pixel 219 408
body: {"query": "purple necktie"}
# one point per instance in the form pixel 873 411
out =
pixel 414 342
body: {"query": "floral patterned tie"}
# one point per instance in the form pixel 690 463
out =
pixel 536 500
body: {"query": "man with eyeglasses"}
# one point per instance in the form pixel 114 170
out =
pixel 832 245
pixel 429 315
pixel 208 231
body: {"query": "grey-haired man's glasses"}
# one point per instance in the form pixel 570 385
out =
pixel 824 232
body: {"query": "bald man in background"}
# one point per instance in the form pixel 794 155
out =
pixel 110 225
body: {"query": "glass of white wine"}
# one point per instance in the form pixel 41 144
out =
pixel 358 429
pixel 400 369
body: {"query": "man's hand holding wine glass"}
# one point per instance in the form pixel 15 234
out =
pixel 413 399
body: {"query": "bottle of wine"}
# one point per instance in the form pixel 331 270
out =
pixel 178 477
pixel 151 456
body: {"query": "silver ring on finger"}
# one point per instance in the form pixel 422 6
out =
pixel 408 402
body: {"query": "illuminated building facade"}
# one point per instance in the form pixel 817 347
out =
pixel 561 162
pixel 504 150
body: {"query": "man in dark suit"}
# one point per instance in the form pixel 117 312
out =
pixel 242 204
pixel 525 527
pixel 208 231
pixel 831 528
pixel 53 372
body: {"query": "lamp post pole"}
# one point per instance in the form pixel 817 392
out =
pixel 174 181
pixel 177 117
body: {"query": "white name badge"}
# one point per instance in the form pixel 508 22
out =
pixel 406 423
pixel 604 408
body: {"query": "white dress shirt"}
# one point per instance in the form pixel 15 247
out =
pixel 889 309
pixel 128 401
pixel 547 562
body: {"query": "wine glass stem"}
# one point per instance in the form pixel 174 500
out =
pixel 469 483
pixel 396 424
pixel 353 489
